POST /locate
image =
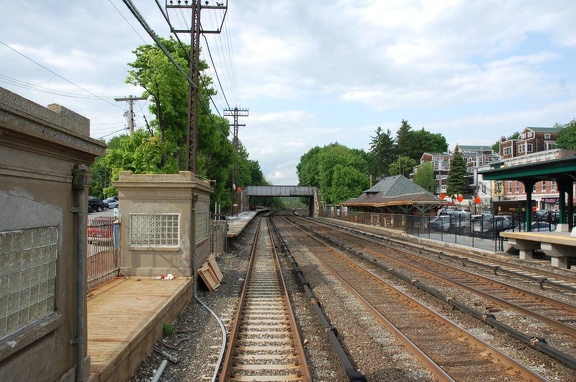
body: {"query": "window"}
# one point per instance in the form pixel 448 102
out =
pixel 553 186
pixel 529 147
pixel 202 224
pixel 154 230
pixel 549 145
pixel 547 136
pixel 27 277
pixel 507 150
pixel 543 186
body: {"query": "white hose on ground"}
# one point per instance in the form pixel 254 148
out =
pixel 160 371
pixel 223 329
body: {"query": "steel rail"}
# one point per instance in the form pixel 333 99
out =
pixel 533 341
pixel 264 343
pixel 539 276
pixel 489 295
pixel 498 358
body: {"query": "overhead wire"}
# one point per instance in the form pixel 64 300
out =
pixel 58 75
pixel 224 48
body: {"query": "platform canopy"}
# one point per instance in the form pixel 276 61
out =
pixel 562 171
pixel 395 194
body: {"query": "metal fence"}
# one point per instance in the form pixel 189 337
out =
pixel 103 251
pixel 218 236
pixel 478 231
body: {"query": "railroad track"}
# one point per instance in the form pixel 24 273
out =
pixel 558 279
pixel 450 352
pixel 551 329
pixel 557 314
pixel 264 343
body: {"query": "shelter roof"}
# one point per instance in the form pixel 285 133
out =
pixel 544 129
pixel 394 190
pixel 555 169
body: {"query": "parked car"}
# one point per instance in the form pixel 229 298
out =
pixel 535 227
pixel 440 223
pixel 543 226
pixel 101 229
pixel 112 202
pixel 96 204
pixel 498 223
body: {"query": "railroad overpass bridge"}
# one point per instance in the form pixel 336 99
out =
pixel 288 191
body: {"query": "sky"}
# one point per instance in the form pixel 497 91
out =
pixel 312 73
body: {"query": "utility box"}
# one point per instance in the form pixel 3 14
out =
pixel 164 223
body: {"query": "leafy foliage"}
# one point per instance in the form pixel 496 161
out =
pixel 566 138
pixel 424 177
pixel 162 147
pixel 339 172
pixel 402 166
pixel 413 144
pixel 381 153
pixel 458 181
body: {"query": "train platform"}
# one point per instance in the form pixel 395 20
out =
pixel 126 317
pixel 237 223
pixel 558 245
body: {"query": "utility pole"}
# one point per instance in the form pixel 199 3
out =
pixel 130 113
pixel 235 113
pixel 195 30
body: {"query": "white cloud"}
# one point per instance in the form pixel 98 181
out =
pixel 313 73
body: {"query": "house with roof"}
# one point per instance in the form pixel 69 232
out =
pixel 531 140
pixel 398 195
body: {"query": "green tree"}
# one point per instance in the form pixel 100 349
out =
pixel 402 166
pixel 458 182
pixel 162 147
pixel 308 169
pixel 404 140
pixel 427 141
pixel 413 144
pixel 168 90
pixel 424 177
pixel 325 167
pixel 347 182
pixel 566 138
pixel 381 153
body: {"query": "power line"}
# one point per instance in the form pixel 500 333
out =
pixel 56 74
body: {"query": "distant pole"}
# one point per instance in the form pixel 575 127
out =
pixel 235 113
pixel 130 113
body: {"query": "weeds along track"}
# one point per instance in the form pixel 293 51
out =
pixel 264 344
pixel 450 352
